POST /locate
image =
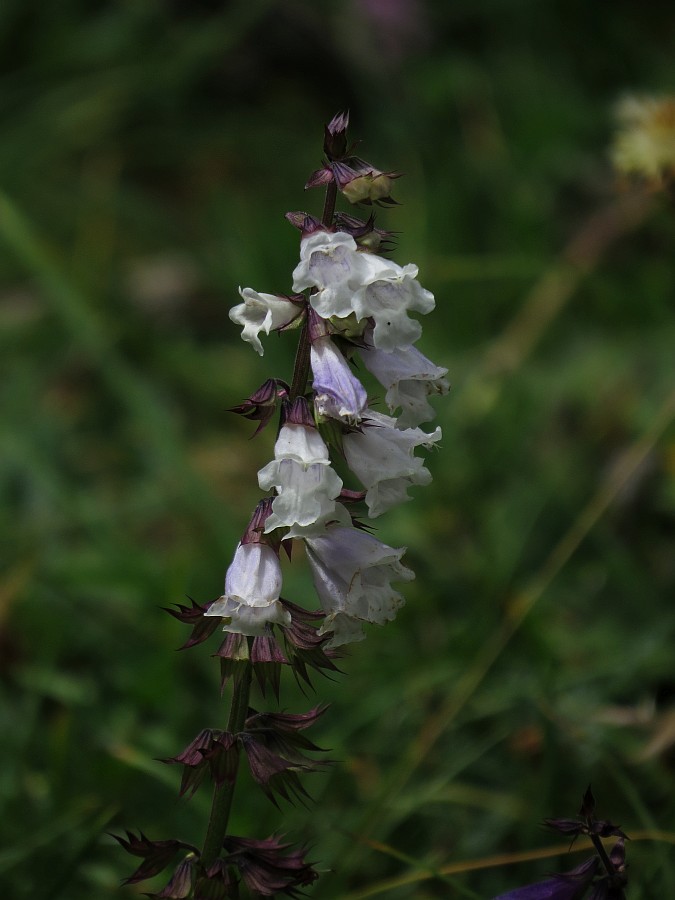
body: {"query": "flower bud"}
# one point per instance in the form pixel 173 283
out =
pixel 335 136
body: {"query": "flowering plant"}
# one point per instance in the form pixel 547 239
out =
pixel 347 301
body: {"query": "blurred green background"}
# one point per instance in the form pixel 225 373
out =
pixel 149 151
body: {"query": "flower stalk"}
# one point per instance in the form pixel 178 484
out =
pixel 223 794
pixel 346 299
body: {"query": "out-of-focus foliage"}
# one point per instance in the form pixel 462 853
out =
pixel 148 153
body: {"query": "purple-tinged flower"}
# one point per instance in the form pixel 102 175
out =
pixel 409 378
pixel 263 312
pixel 338 392
pixel 253 582
pixel 349 281
pixel 570 885
pixel 306 484
pixel 305 500
pixel 352 573
pixel 382 458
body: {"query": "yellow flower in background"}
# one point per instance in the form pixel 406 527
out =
pixel 645 143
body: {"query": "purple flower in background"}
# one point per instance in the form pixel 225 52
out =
pixel 604 874
pixel 570 885
pixel 398 26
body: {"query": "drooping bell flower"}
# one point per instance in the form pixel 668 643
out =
pixel 306 484
pixel 352 573
pixel 253 582
pixel 387 297
pixel 409 378
pixel 382 457
pixel 338 394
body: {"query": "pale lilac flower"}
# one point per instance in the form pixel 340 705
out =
pixel 338 392
pixel 252 584
pixel 306 485
pixel 409 378
pixel 262 312
pixel 352 573
pixel 382 458
pixel 570 885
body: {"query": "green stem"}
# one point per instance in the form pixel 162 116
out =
pixel 224 793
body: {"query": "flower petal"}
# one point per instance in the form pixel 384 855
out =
pixel 262 312
pixel 352 573
pixel 382 457
pixel 409 378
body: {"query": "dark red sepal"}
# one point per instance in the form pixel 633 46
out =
pixel 156 854
pixel 262 403
pixel 267 867
pixel 202 626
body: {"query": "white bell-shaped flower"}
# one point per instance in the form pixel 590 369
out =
pixel 306 484
pixel 387 298
pixel 382 458
pixel 306 495
pixel 409 378
pixel 352 573
pixel 252 588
